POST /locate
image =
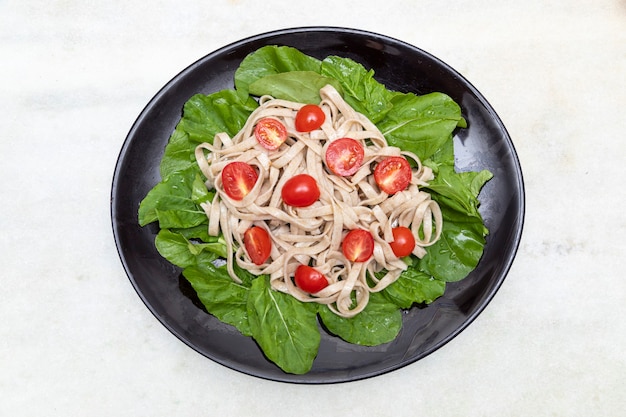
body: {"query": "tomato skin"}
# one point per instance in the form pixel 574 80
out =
pixel 310 279
pixel 309 117
pixel 270 133
pixel 358 245
pixel 403 241
pixel 238 179
pixel 393 174
pixel 300 191
pixel 344 156
pixel 258 244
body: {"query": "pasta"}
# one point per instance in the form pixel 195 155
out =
pixel 313 235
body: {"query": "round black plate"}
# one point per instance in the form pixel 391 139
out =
pixel 485 144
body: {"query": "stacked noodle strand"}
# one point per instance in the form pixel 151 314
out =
pixel 313 235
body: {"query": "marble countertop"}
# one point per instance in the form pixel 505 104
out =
pixel 75 339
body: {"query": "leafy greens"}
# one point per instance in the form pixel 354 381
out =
pixel 287 330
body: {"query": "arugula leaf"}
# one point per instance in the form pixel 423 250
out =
pixel 174 202
pixel 285 328
pixel 378 323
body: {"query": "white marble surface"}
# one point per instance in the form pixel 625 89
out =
pixel 75 339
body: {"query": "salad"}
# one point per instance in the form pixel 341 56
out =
pixel 275 261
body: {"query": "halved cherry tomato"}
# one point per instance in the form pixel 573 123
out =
pixel 309 117
pixel 258 244
pixel 403 241
pixel 270 133
pixel 344 156
pixel 310 279
pixel 300 191
pixel 393 174
pixel 238 179
pixel 358 245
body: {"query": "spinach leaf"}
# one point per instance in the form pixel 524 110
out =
pixel 203 117
pixel 222 297
pixel 174 202
pixel 462 240
pixel 298 86
pixel 179 153
pixel 360 89
pixel 420 124
pixel 183 252
pixel 199 232
pixel 412 287
pixel 206 115
pixel 270 60
pixel 378 323
pixel 285 328
pixel 458 191
pixel 458 250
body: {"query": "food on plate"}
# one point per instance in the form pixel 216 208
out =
pixel 310 193
pixel 340 225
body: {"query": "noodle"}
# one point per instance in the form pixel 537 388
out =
pixel 312 235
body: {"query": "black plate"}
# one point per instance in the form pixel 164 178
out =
pixel 400 66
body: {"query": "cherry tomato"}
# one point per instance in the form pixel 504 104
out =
pixel 403 241
pixel 258 244
pixel 310 279
pixel 300 191
pixel 358 245
pixel 309 117
pixel 344 156
pixel 238 178
pixel 393 174
pixel 270 133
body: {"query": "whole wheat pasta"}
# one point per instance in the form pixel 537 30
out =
pixel 313 235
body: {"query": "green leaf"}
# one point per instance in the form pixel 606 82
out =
pixel 285 328
pixel 206 115
pixel 175 248
pixel 378 323
pixel 298 86
pixel 414 287
pixel 458 190
pixel 270 60
pixel 199 232
pixel 174 201
pixel 179 154
pixel 462 241
pixel 183 252
pixel 222 297
pixel 458 250
pixel 360 89
pixel 420 124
